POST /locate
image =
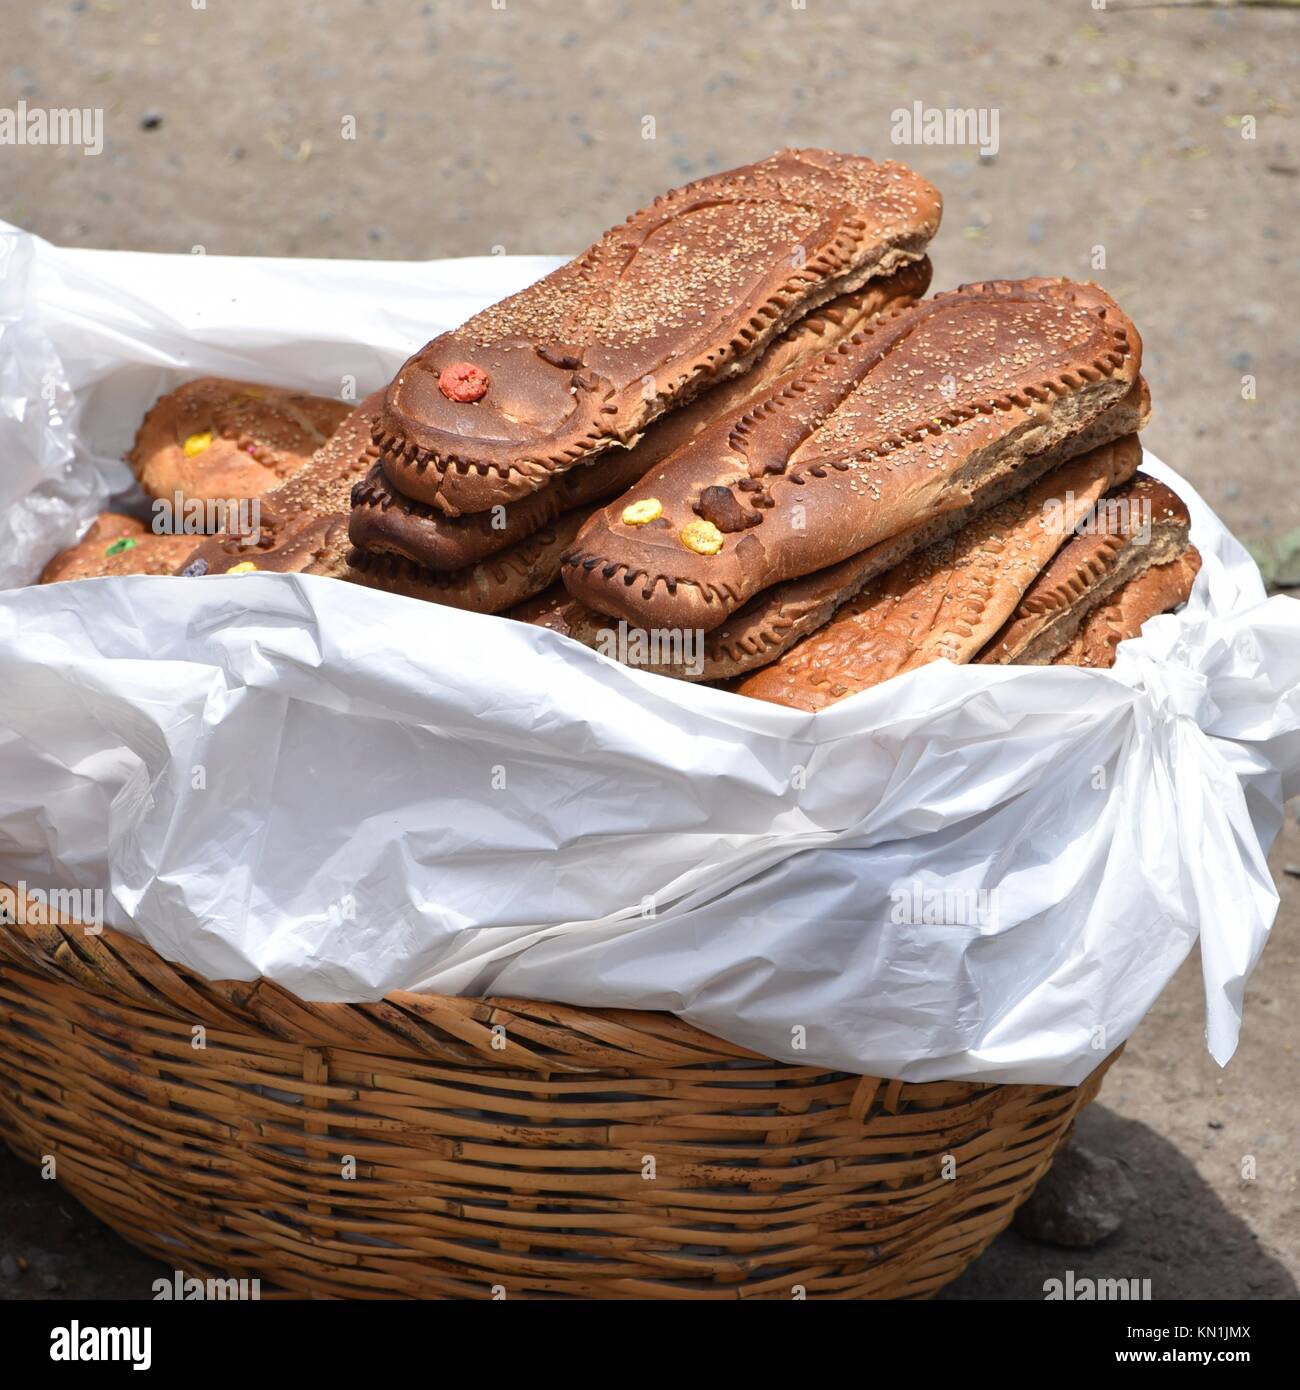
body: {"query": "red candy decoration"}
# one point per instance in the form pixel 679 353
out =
pixel 463 381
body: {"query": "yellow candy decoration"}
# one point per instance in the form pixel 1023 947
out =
pixel 243 567
pixel 196 443
pixel 703 537
pixel 643 512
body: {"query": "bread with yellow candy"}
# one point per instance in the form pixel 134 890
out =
pixel 219 440
pixel 300 527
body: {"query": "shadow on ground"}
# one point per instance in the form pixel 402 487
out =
pixel 68 1252
pixel 1179 1234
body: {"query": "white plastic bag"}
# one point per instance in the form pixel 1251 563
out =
pixel 350 792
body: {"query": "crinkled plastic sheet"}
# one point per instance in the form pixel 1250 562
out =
pixel 350 792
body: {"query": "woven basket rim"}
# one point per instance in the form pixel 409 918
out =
pixel 500 1031
pixel 503 1032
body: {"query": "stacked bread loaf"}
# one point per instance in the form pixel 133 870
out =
pixel 497 440
pixel 736 423
pixel 895 502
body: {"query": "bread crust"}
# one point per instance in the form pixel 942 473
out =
pixel 947 600
pixel 688 291
pixel 1156 590
pixel 117 544
pixel 898 424
pixel 214 439
pixel 1137 526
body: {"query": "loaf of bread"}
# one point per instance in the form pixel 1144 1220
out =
pixel 901 422
pixel 1156 590
pixel 490 586
pixel 302 526
pixel 775 619
pixel 947 600
pixel 219 440
pixel 117 544
pixel 1138 526
pixel 687 291
pixel 385 521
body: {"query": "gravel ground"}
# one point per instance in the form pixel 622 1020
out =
pixel 1122 134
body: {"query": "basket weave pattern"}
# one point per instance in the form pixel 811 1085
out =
pixel 426 1146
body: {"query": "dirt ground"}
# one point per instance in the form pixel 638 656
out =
pixel 1151 148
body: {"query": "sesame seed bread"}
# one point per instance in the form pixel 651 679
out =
pixel 215 440
pixel 687 291
pixel 384 521
pixel 117 544
pixel 303 523
pixel 899 423
pixel 946 600
pixel 776 618
pixel 1132 529
pixel 1155 590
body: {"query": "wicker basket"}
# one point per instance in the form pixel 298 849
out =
pixel 432 1147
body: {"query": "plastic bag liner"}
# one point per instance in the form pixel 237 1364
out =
pixel 967 872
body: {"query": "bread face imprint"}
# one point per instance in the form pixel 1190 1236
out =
pixel 1155 590
pixel 900 422
pixel 384 521
pixel 214 439
pixel 686 292
pixel 1138 526
pixel 948 599
pixel 303 523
